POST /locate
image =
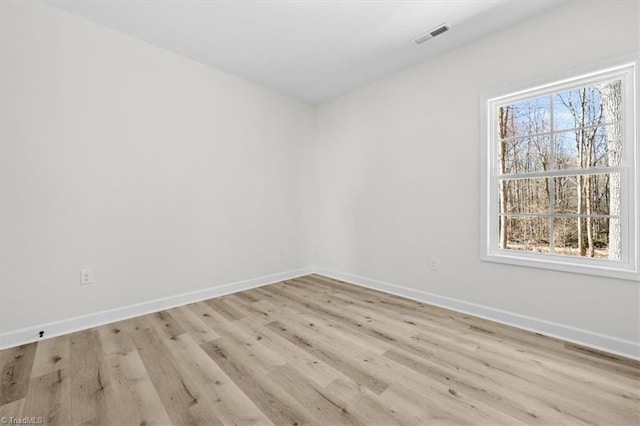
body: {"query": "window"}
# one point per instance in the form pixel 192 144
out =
pixel 560 175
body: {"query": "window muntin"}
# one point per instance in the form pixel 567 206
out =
pixel 561 174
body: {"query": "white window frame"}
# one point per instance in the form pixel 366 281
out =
pixel 628 266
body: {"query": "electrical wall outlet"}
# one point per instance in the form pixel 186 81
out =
pixel 435 263
pixel 86 276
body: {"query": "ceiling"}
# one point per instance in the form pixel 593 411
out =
pixel 309 50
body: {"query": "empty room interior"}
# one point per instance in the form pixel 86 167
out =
pixel 320 212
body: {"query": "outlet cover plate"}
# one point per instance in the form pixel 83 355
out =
pixel 86 276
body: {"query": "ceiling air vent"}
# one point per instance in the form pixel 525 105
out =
pixel 430 34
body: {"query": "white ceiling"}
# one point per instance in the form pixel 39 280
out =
pixel 310 50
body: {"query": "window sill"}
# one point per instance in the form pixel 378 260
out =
pixel 602 268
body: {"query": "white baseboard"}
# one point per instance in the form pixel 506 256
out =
pixel 626 348
pixel 70 325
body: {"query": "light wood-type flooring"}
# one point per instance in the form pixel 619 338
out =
pixel 314 350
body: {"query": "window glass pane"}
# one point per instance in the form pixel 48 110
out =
pixel 565 236
pixel 611 101
pixel 597 236
pixel 594 147
pixel 600 194
pixel 566 196
pixel 524 118
pixel 575 108
pixel 525 233
pixel 524 195
pixel 603 193
pixel 524 155
pixel 608 146
pixel 566 151
pixel 614 239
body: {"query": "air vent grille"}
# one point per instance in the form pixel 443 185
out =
pixel 421 39
pixel 439 30
pixel 430 34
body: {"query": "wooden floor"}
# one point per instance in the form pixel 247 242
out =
pixel 315 351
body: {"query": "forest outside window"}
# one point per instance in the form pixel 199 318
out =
pixel 561 175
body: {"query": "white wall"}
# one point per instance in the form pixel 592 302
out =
pixel 163 175
pixel 400 169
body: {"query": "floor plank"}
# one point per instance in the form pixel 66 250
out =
pixel 49 398
pixel 90 384
pixel 137 398
pixel 280 407
pixel 16 364
pixel 51 355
